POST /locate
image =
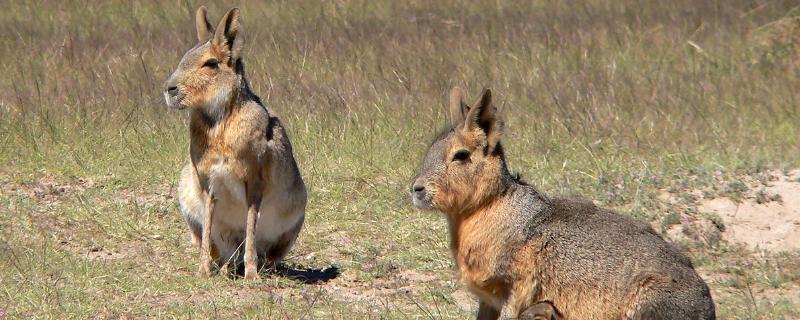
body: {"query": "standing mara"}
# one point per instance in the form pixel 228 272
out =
pixel 526 254
pixel 241 187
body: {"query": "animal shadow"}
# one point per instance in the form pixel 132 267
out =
pixel 297 272
pixel 307 275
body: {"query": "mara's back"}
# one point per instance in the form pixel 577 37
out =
pixel 593 260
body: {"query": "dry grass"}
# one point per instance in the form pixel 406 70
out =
pixel 598 94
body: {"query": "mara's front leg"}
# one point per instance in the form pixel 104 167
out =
pixel 521 304
pixel 255 191
pixel 487 311
pixel 540 311
pixel 207 250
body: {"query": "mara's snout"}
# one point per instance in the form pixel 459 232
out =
pixel 173 94
pixel 420 196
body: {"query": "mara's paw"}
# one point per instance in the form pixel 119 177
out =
pixel 251 275
pixel 205 270
pixel 251 272
pixel 225 269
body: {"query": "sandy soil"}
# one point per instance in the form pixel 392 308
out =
pixel 773 225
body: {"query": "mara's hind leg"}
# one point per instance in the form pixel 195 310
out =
pixel 672 305
pixel 650 312
pixel 276 251
pixel 667 300
pixel 195 230
pixel 655 312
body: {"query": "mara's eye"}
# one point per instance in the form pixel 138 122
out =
pixel 211 63
pixel 461 155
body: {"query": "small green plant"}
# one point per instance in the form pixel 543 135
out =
pixel 716 220
pixel 672 218
pixel 735 190
pixel 761 197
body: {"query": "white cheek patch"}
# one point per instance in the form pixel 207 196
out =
pixel 216 106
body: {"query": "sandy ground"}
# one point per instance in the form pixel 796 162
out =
pixel 773 225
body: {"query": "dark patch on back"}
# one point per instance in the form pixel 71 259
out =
pixel 249 95
pixel 272 122
pixel 498 150
pixel 517 178
pixel 239 66
pixel 246 91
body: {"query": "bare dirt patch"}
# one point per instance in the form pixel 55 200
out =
pixel 45 200
pixel 396 284
pixel 465 300
pixel 47 190
pixel 769 218
pixel 761 212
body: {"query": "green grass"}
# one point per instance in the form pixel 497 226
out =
pixel 613 100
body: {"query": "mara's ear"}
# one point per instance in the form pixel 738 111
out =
pixel 228 37
pixel 204 28
pixel 457 107
pixel 484 116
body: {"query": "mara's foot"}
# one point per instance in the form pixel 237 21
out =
pixel 251 272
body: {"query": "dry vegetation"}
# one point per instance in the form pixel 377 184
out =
pixel 650 107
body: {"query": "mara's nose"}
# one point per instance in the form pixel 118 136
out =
pixel 172 91
pixel 417 188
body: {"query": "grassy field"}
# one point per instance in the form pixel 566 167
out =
pixel 618 101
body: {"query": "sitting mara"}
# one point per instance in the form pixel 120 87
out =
pixel 526 254
pixel 241 187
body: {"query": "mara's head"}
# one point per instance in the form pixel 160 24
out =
pixel 464 168
pixel 210 74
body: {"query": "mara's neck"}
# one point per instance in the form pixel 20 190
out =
pixel 460 225
pixel 219 109
pixel 225 102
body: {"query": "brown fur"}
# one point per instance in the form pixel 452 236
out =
pixel 241 181
pixel 526 255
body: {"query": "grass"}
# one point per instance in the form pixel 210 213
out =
pixel 613 100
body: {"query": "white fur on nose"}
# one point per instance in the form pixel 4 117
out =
pixel 421 200
pixel 166 99
pixel 419 203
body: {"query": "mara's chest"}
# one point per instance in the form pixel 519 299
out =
pixel 216 155
pixel 224 178
pixel 219 149
pixel 227 158
pixel 220 170
pixel 479 269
